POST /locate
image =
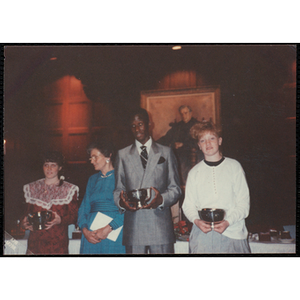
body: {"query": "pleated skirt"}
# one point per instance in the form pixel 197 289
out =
pixel 214 242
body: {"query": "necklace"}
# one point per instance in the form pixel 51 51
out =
pixel 48 185
pixel 104 176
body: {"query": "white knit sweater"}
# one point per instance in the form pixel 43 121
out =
pixel 223 186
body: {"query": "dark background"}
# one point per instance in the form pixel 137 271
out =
pixel 258 110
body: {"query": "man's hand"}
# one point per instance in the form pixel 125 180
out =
pixel 126 204
pixel 157 200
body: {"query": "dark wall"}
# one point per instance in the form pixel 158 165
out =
pixel 255 102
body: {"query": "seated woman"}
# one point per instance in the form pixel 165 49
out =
pixel 216 182
pixel 99 198
pixel 54 194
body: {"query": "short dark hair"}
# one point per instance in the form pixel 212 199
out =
pixel 105 146
pixel 56 157
pixel 142 113
pixel 53 156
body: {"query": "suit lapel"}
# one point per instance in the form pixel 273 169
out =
pixel 135 161
pixel 137 166
pixel 153 158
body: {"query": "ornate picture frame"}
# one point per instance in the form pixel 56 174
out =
pixel 162 106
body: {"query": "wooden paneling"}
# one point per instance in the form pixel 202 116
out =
pixel 56 141
pixel 71 121
pixel 68 118
pixel 78 114
pixel 101 115
pixel 76 92
pixel 54 115
pixel 58 89
pixel 77 144
pixel 180 79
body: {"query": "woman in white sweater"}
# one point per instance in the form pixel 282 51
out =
pixel 216 182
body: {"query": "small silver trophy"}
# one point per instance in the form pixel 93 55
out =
pixel 139 197
pixel 39 219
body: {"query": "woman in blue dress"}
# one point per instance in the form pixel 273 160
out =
pixel 99 198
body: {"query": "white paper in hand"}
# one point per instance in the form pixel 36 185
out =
pixel 102 220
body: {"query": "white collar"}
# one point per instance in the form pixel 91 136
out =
pixel 148 145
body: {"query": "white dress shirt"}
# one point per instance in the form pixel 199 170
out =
pixel 148 145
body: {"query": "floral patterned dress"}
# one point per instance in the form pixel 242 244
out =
pixel 60 199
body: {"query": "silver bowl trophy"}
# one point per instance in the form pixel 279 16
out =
pixel 139 197
pixel 212 215
pixel 39 219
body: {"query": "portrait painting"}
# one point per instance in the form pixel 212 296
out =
pixel 163 106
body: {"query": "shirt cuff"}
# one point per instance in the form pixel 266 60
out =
pixel 114 225
pixel 122 210
pixel 229 220
pixel 85 225
pixel 195 218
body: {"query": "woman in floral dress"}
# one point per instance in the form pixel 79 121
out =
pixel 54 194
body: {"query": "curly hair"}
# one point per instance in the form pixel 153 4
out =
pixel 199 129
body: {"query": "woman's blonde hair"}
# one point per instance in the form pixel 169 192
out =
pixel 199 129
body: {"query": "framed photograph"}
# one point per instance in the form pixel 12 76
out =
pixel 162 106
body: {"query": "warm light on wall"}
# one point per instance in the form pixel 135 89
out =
pixel 176 47
pixel 68 114
pixel 53 58
pixel 4 148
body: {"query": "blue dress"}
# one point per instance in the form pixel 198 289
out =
pixel 99 197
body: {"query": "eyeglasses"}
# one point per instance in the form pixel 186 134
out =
pixel 94 157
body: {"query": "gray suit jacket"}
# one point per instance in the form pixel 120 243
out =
pixel 148 226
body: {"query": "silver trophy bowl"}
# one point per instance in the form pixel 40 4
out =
pixel 39 219
pixel 212 215
pixel 139 197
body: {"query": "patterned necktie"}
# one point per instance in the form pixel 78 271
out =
pixel 144 156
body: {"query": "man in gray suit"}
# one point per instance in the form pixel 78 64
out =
pixel 149 228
